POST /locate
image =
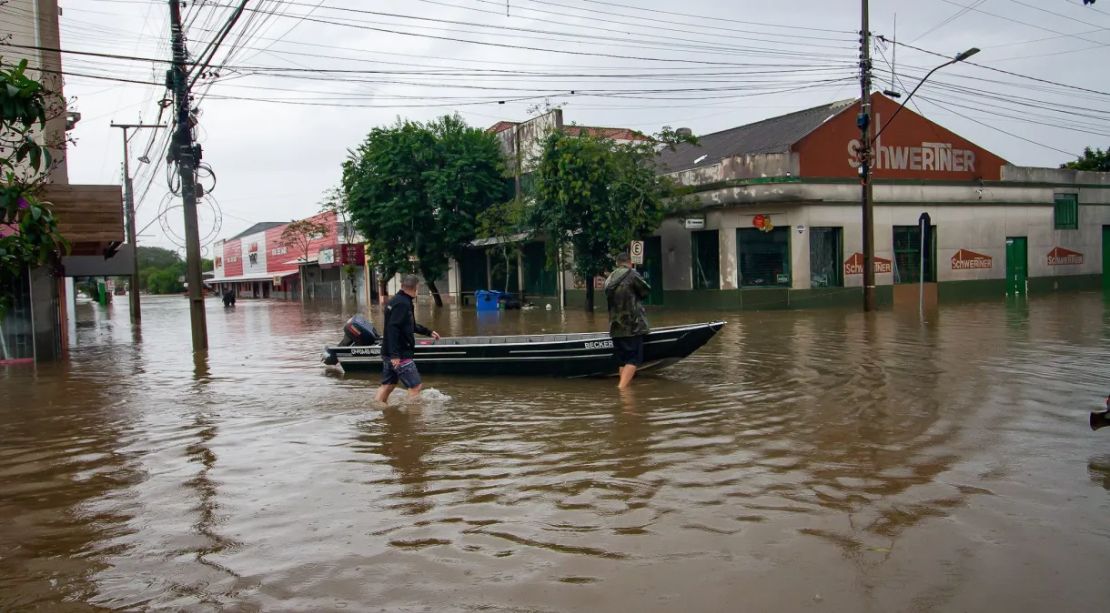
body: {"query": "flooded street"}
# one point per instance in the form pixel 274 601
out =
pixel 803 460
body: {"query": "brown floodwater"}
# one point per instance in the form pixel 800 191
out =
pixel 803 460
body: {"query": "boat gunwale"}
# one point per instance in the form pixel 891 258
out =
pixel 580 336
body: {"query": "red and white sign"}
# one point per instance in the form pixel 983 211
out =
pixel 1064 257
pixel 354 255
pixel 912 148
pixel 854 265
pixel 969 260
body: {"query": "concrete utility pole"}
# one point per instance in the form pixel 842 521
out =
pixel 864 122
pixel 187 154
pixel 129 200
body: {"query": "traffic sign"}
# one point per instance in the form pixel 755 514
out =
pixel 637 252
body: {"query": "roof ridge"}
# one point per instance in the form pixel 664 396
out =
pixel 829 105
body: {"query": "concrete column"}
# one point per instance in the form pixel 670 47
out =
pixel 726 234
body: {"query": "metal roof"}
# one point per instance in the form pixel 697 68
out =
pixel 261 226
pixel 774 135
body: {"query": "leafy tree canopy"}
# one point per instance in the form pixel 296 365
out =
pixel 28 230
pixel 1092 159
pixel 596 196
pixel 415 191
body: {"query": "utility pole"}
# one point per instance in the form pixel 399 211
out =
pixel 129 201
pixel 864 122
pixel 187 154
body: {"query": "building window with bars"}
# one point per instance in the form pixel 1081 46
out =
pixel 705 249
pixel 826 253
pixel 907 255
pixel 1066 212
pixel 764 257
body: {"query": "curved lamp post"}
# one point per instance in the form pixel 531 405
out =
pixel 959 58
pixel 865 169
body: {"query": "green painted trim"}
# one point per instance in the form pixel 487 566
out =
pixel 767 299
pixel 968 291
pixel 1064 283
pixel 924 182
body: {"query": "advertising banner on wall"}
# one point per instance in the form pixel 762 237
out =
pixel 969 260
pixel 352 255
pixel 1064 257
pixel 854 265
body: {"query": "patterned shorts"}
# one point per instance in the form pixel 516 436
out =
pixel 405 372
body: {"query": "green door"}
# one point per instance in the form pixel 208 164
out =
pixel 1017 265
pixel 1106 258
pixel 652 269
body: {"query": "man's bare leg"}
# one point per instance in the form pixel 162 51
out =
pixel 383 393
pixel 415 391
pixel 627 372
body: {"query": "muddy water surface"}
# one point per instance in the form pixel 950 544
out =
pixel 807 460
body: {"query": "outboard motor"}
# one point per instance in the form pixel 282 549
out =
pixel 358 331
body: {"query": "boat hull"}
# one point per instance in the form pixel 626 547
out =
pixel 559 355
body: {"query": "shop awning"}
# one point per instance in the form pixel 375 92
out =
pixel 266 276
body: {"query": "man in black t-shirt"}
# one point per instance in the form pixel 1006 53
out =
pixel 399 342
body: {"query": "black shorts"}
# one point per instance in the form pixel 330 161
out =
pixel 406 373
pixel 629 350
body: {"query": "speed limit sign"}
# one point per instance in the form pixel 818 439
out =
pixel 637 252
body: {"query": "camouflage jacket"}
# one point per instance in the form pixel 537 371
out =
pixel 625 290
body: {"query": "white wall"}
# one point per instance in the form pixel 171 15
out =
pixel 981 229
pixel 259 265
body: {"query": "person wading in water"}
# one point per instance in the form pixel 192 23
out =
pixel 625 291
pixel 399 343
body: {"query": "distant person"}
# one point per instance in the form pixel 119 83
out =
pixel 399 343
pixel 625 291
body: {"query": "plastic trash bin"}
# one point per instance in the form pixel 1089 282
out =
pixel 486 300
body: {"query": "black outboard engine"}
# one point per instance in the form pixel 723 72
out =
pixel 358 331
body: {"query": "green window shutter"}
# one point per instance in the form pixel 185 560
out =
pixel 1066 213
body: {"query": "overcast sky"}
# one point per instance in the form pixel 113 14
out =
pixel 276 138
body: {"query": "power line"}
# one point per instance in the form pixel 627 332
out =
pixel 1017 21
pixel 715 18
pixel 509 46
pixel 999 70
pixel 960 13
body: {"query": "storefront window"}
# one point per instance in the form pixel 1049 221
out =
pixel 825 257
pixel 907 255
pixel 705 248
pixel 764 257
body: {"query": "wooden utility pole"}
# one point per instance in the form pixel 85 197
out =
pixel 129 200
pixel 864 122
pixel 187 155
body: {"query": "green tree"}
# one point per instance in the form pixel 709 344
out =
pixel 165 281
pixel 595 196
pixel 298 236
pixel 29 234
pixel 415 192
pixel 1092 159
pixel 501 222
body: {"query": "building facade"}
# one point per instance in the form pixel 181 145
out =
pixel 90 217
pixel 257 263
pixel 779 219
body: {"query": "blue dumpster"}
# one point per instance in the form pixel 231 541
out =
pixel 486 300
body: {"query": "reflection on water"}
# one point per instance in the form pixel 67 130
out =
pixel 800 460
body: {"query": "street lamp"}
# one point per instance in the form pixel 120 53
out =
pixel 865 164
pixel 959 58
